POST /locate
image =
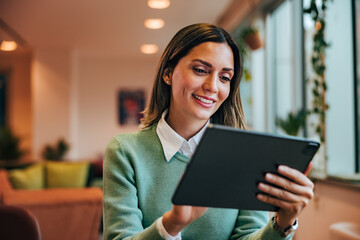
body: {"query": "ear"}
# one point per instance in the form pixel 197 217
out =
pixel 167 76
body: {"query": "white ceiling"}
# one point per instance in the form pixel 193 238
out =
pixel 103 26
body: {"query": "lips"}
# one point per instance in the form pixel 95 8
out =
pixel 203 100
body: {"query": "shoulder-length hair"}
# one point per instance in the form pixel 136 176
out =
pixel 230 113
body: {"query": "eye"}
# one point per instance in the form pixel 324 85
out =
pixel 225 78
pixel 199 70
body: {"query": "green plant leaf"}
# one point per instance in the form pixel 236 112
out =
pixel 9 145
pixel 56 152
pixel 292 124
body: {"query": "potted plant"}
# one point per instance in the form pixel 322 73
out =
pixel 251 37
pixel 244 52
pixel 56 152
pixel 292 124
pixel 9 145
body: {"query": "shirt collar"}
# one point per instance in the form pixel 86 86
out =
pixel 172 142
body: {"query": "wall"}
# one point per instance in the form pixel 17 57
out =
pixel 63 94
pixel 50 97
pixel 16 65
pixel 97 83
pixel 331 204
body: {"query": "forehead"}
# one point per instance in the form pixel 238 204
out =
pixel 214 53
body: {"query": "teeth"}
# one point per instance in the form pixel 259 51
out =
pixel 203 99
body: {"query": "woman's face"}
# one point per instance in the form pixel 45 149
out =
pixel 200 82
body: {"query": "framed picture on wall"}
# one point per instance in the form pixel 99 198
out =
pixel 130 105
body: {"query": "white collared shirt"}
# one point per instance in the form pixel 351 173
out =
pixel 172 143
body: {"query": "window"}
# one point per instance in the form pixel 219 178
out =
pixel 340 119
pixel 284 63
pixel 279 72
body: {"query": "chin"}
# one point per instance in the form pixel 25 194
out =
pixel 204 115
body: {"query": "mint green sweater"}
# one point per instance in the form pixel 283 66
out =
pixel 138 186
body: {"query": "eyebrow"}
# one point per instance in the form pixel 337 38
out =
pixel 210 65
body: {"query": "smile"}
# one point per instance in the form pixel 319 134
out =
pixel 203 99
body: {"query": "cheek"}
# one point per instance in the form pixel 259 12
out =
pixel 183 81
pixel 224 92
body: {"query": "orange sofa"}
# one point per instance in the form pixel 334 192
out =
pixel 62 213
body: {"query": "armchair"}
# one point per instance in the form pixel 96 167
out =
pixel 62 213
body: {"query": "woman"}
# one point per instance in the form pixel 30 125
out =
pixel 197 82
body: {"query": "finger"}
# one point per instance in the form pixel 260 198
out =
pixel 295 175
pixel 308 169
pixel 290 186
pixel 287 206
pixel 274 201
pixel 278 193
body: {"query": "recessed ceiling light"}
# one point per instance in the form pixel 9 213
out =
pixel 149 48
pixel 154 23
pixel 158 4
pixel 8 46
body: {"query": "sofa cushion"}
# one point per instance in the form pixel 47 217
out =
pixel 29 178
pixel 66 174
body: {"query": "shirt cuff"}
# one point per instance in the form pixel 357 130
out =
pixel 164 233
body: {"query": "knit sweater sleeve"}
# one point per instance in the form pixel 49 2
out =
pixel 255 225
pixel 122 216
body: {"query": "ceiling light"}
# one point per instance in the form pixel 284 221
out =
pixel 154 23
pixel 9 38
pixel 158 4
pixel 8 46
pixel 149 48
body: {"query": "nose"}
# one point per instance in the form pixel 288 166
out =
pixel 210 84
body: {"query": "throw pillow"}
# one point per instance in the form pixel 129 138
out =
pixel 29 178
pixel 66 174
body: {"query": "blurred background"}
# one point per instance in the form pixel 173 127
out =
pixel 73 74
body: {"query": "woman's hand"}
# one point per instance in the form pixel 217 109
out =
pixel 180 216
pixel 291 196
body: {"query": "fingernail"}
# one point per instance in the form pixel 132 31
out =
pixel 282 168
pixel 259 196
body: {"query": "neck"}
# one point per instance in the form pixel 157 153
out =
pixel 186 127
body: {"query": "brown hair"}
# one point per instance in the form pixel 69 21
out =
pixel 230 113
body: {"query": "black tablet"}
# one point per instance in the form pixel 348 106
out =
pixel 228 164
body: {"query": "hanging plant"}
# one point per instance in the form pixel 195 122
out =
pixel 251 37
pixel 319 105
pixel 319 86
pixel 244 55
pixel 247 39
